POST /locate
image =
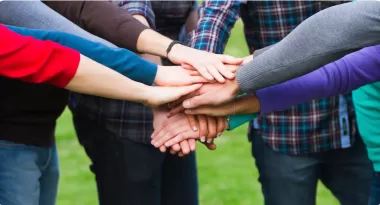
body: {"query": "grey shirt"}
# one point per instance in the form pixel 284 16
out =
pixel 323 38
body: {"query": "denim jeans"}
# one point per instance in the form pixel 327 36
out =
pixel 374 198
pixel 28 174
pixel 289 179
pixel 132 173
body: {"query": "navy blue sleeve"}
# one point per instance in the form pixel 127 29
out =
pixel 121 60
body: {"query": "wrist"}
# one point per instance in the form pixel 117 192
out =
pixel 153 43
pixel 247 104
pixel 235 88
pixel 177 50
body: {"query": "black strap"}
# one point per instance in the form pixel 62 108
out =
pixel 171 46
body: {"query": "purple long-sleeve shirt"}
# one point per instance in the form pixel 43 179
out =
pixel 344 75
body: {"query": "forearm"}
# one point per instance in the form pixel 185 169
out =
pixel 342 76
pixel 149 57
pixel 322 38
pixel 118 26
pixel 120 60
pixel 95 79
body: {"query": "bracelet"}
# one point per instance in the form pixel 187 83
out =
pixel 171 46
pixel 228 122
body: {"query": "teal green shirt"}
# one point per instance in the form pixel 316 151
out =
pixel 367 106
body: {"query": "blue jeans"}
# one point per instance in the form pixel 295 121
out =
pixel 289 179
pixel 374 198
pixel 28 174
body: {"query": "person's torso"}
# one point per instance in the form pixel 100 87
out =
pixel 317 126
pixel 171 16
pixel 125 119
pixel 28 112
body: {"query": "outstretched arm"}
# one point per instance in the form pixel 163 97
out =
pixel 27 59
pixel 326 36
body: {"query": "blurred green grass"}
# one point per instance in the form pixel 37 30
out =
pixel 227 176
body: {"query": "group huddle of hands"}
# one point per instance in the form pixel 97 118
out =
pixel 202 114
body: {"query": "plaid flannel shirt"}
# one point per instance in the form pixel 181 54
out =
pixel 312 127
pixel 126 119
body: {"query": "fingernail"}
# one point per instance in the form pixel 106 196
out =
pixel 186 104
pixel 187 111
pixel 203 139
pixel 209 141
pixel 195 128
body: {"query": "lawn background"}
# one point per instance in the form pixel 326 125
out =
pixel 227 176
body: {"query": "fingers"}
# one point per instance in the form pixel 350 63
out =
pixel 211 124
pixel 182 91
pixel 185 147
pixel 194 73
pixel 231 68
pixel 202 110
pixel 180 100
pixel 216 72
pixel 226 59
pixel 193 122
pixel 181 137
pixel 163 149
pixel 175 149
pixel 175 111
pixel 196 101
pixel 203 130
pixel 220 126
pixel 188 67
pixel 210 146
pixel 198 79
pixel 192 144
pixel 224 71
pixel 168 132
pixel 204 71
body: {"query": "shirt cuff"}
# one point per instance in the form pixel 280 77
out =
pixel 145 72
pixel 267 101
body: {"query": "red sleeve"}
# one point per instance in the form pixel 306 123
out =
pixel 36 61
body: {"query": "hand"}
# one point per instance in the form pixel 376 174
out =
pixel 209 94
pixel 173 133
pixel 213 94
pixel 178 125
pixel 195 72
pixel 184 147
pixel 211 66
pixel 204 125
pixel 177 76
pixel 155 95
pixel 243 105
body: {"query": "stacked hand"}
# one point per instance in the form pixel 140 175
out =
pixel 179 128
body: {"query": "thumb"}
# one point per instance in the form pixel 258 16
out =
pixel 187 66
pixel 226 59
pixel 188 89
pixel 196 101
pixel 198 79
